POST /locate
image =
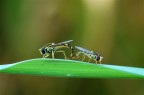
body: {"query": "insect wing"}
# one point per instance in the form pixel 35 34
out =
pixel 65 42
pixel 82 49
pixel 47 44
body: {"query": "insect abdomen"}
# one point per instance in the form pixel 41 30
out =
pixel 72 49
pixel 67 46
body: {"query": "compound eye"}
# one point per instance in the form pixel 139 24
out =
pixel 43 50
pixel 98 58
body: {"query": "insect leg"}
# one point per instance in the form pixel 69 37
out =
pixel 89 60
pixel 72 50
pixel 53 54
pixel 83 57
pixel 45 55
pixel 63 53
pixel 78 53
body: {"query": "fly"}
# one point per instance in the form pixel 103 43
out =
pixel 52 48
pixel 90 54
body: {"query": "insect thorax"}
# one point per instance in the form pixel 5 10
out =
pixel 49 49
pixel 93 56
pixel 60 46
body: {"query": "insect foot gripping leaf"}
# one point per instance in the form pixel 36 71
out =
pixel 71 68
pixel 52 48
pixel 90 54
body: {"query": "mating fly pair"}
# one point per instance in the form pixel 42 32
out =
pixel 52 48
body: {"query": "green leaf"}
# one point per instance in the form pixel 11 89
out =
pixel 70 68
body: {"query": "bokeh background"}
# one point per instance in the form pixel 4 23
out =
pixel 113 28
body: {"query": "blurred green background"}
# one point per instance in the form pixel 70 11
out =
pixel 113 28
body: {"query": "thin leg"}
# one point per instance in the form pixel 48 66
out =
pixel 63 53
pixel 83 57
pixel 76 55
pixel 89 60
pixel 45 55
pixel 52 54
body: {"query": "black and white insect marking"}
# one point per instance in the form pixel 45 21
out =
pixel 90 54
pixel 52 48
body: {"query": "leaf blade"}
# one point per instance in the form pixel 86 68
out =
pixel 71 68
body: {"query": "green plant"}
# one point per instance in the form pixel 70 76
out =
pixel 70 68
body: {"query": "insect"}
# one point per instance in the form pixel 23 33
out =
pixel 52 48
pixel 90 54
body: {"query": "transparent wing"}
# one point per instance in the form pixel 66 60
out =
pixel 47 45
pixel 65 42
pixel 82 49
pixel 58 43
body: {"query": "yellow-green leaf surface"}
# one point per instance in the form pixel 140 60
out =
pixel 70 68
